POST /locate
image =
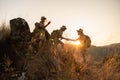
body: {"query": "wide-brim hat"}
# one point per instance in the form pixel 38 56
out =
pixel 63 27
pixel 43 18
pixel 80 30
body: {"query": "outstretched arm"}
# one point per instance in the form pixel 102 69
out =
pixel 47 24
pixel 68 39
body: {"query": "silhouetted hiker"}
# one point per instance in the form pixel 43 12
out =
pixel 56 36
pixel 41 24
pixel 85 43
pixel 40 34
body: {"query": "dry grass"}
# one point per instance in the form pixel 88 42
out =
pixel 4 31
pixel 66 67
pixel 66 64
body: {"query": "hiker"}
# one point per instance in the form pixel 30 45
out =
pixel 41 24
pixel 85 43
pixel 40 34
pixel 56 36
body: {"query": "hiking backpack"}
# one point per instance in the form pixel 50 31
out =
pixel 55 33
pixel 88 41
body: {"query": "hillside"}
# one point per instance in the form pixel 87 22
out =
pixel 99 53
pixel 20 60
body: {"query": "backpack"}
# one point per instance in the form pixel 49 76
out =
pixel 36 29
pixel 87 41
pixel 55 33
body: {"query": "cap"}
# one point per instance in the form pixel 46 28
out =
pixel 63 27
pixel 43 18
pixel 80 30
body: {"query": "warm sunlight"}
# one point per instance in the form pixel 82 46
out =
pixel 95 18
pixel 76 43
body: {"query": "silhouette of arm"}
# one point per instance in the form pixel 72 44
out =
pixel 74 39
pixel 47 24
pixel 67 39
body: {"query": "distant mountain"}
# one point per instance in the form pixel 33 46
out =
pixel 98 53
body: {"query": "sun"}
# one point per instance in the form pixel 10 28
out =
pixel 77 43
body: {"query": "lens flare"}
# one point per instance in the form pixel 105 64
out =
pixel 76 43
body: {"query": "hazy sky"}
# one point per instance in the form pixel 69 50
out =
pixel 100 19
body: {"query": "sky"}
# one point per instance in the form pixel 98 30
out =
pixel 100 19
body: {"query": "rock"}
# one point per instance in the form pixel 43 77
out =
pixel 15 46
pixel 20 29
pixel 20 34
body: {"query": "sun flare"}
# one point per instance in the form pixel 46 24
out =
pixel 76 43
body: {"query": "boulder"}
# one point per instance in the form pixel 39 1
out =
pixel 19 29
